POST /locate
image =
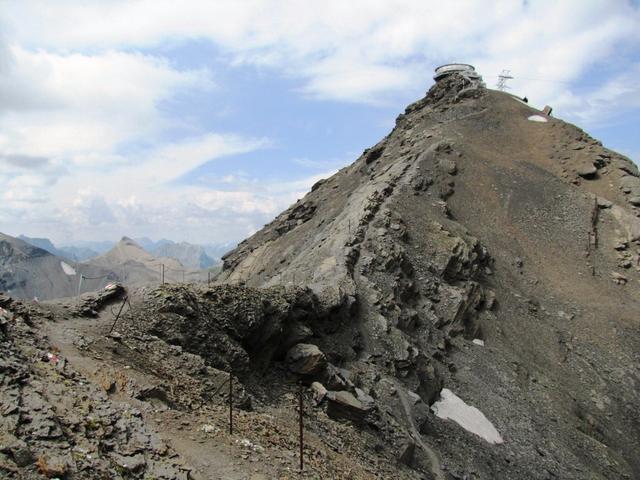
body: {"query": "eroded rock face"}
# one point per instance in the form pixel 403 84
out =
pixel 233 327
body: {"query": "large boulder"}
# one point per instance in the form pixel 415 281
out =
pixel 306 359
pixel 345 406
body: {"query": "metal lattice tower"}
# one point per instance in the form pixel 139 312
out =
pixel 502 80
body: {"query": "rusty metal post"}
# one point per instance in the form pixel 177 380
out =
pixel 124 300
pixel 301 408
pixel 230 404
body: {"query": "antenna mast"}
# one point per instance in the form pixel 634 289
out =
pixel 502 80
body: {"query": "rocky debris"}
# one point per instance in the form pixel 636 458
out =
pixel 449 90
pixel 630 185
pixel 300 213
pixel 373 154
pixel 604 203
pixel 57 424
pixel 393 293
pixel 407 454
pixel 297 333
pixel 421 183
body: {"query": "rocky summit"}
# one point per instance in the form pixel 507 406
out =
pixel 462 302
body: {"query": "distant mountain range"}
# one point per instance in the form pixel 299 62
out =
pixel 35 267
pixel 28 271
pixel 191 256
pixel 136 266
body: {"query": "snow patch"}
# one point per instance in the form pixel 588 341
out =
pixel 452 407
pixel 477 341
pixel 538 118
pixel 68 269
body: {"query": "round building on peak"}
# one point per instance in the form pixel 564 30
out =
pixel 464 69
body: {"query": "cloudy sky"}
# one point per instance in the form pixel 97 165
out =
pixel 201 120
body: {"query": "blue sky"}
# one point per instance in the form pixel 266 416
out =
pixel 202 120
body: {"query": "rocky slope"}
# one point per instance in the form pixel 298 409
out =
pixel 31 272
pixel 489 252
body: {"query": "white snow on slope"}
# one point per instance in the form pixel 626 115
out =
pixel 68 269
pixel 538 118
pixel 452 407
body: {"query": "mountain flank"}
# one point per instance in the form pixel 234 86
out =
pixel 483 250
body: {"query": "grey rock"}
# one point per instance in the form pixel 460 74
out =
pixel 319 392
pixel 604 203
pixel 586 170
pixel 345 406
pixel 297 333
pixel 407 454
pixel 305 359
pixel 448 166
pixel 334 379
pixel 130 463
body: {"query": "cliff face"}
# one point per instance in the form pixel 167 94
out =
pixel 477 220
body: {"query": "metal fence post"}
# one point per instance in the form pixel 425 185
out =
pixel 230 404
pixel 301 407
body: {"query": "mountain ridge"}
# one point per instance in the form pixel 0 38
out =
pixel 465 224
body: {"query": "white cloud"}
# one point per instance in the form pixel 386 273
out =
pixel 79 106
pixel 360 50
pixel 598 105
pixel 140 197
pixel 179 158
pixel 75 89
